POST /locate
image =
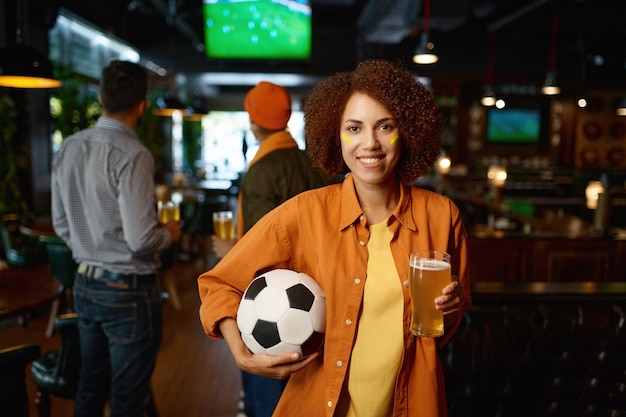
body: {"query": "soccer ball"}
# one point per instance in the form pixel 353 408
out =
pixel 282 311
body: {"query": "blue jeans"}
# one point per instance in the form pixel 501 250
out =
pixel 261 394
pixel 120 333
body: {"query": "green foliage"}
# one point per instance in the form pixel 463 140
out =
pixel 73 106
pixel 150 132
pixel 147 128
pixel 192 145
pixel 11 198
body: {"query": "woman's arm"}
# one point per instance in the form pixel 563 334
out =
pixel 277 367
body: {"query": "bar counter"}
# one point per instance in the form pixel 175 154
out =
pixel 514 257
pixel 539 349
pixel 559 249
pixel 552 239
pixel 538 289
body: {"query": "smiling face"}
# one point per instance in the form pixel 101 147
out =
pixel 370 142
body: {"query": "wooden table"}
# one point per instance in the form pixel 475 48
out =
pixel 37 227
pixel 25 291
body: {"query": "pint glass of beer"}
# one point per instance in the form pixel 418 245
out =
pixel 224 224
pixel 168 211
pixel 429 273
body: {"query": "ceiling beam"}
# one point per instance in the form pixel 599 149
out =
pixel 500 23
pixel 173 19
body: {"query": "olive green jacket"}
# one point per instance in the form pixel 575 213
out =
pixel 275 177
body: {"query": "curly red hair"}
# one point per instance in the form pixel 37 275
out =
pixel 396 88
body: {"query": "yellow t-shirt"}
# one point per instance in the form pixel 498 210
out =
pixel 377 353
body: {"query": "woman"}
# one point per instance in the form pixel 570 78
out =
pixel 382 127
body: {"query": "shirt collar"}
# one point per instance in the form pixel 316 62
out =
pixel 114 124
pixel 403 211
pixel 351 211
pixel 350 208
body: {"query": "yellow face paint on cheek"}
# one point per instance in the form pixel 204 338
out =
pixel 394 138
pixel 346 139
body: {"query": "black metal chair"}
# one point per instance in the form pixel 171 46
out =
pixel 13 392
pixel 63 268
pixel 166 274
pixel 199 227
pixel 20 251
pixel 56 372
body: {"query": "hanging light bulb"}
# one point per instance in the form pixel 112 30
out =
pixel 424 53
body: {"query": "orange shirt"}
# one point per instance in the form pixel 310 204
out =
pixel 323 233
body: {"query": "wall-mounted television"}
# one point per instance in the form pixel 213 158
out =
pixel 514 126
pixel 257 29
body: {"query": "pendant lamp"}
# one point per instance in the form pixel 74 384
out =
pixel 621 108
pixel 166 106
pixel 489 96
pixel 424 53
pixel 22 66
pixel 550 87
pixel 197 110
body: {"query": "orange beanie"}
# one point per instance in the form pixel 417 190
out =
pixel 268 105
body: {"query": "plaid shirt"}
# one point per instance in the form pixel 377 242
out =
pixel 103 199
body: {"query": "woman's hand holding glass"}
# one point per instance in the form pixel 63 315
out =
pixel 451 299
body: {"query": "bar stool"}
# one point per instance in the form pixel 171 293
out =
pixel 56 372
pixel 63 268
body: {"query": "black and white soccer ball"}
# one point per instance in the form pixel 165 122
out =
pixel 283 311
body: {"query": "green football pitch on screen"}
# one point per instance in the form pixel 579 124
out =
pixel 257 29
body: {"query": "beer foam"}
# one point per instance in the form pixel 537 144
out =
pixel 430 264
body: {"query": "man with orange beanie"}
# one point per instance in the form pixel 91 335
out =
pixel 278 171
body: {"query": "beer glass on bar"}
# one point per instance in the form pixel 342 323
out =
pixel 429 273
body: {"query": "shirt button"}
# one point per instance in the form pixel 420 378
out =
pixel 357 281
pixel 339 363
pixel 329 404
pixel 361 217
pixel 348 322
pixel 361 243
